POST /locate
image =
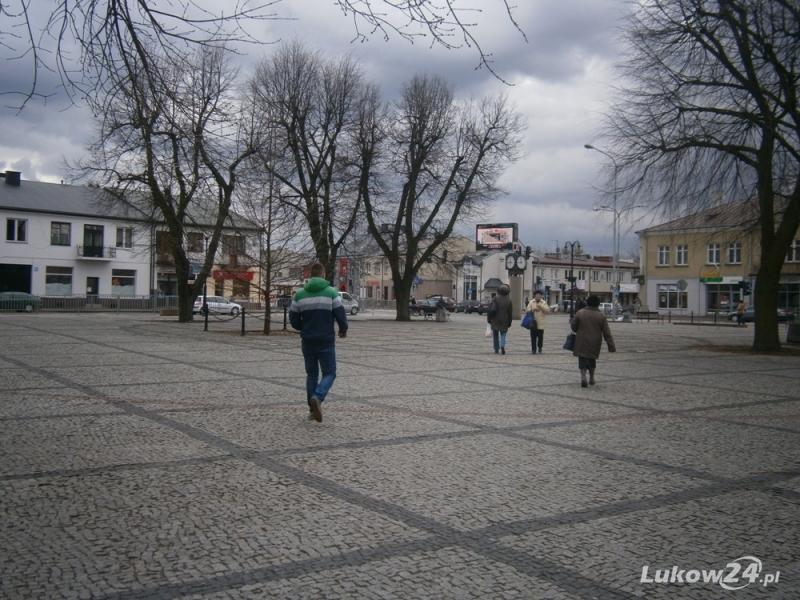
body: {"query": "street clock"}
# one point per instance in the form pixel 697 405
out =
pixel 510 261
pixel 522 262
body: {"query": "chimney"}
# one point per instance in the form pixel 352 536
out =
pixel 13 178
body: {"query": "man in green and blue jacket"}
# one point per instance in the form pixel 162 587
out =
pixel 313 312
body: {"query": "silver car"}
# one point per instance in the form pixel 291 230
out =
pixel 218 305
pixel 350 303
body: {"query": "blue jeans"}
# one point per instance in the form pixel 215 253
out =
pixel 498 339
pixel 319 356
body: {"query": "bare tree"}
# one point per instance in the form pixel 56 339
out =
pixel 426 165
pixel 170 140
pixel 310 104
pixel 103 30
pixel 285 234
pixel 711 114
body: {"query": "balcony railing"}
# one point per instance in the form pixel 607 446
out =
pixel 106 252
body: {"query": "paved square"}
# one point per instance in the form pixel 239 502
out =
pixel 143 458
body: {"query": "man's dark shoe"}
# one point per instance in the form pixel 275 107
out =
pixel 316 412
pixel 502 350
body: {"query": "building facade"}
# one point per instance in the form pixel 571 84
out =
pixel 707 262
pixel 64 240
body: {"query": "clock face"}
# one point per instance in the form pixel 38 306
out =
pixel 509 261
pixel 521 262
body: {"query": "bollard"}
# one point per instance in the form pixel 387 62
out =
pixel 243 311
pixel 669 316
pixel 691 318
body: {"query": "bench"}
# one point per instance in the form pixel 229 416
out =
pixel 647 315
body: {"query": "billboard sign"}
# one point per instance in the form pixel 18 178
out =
pixel 495 236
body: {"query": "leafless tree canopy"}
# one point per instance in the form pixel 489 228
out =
pixel 172 139
pixel 310 106
pixel 85 41
pixel 437 161
pixel 710 114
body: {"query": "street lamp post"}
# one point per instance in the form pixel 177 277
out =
pixel 615 292
pixel 570 247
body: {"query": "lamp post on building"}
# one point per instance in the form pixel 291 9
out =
pixel 615 293
pixel 570 247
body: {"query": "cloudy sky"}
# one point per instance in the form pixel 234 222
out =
pixel 561 78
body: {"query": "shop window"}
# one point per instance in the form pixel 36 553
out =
pixel 58 281
pixel 123 282
pixel 670 297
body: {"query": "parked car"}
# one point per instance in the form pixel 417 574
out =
pixel 426 307
pixel 483 307
pixel 467 306
pixel 749 315
pixel 218 305
pixel 350 303
pixel 449 303
pixel 19 301
pixel 606 307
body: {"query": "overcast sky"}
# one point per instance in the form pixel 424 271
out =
pixel 562 77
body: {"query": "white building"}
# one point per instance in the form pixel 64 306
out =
pixel 63 240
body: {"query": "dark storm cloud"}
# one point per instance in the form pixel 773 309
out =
pixel 560 79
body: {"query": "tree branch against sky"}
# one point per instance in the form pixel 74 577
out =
pixel 439 162
pixel 710 113
pixel 81 40
pixel 173 137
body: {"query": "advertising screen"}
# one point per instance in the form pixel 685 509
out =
pixel 495 236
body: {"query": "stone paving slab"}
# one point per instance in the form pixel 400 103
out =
pixel 143 458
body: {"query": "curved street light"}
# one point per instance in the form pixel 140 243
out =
pixel 615 293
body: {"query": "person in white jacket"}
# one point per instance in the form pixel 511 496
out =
pixel 540 310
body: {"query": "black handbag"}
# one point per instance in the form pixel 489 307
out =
pixel 569 344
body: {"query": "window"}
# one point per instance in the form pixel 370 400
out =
pixel 581 275
pixel 713 254
pixel 734 253
pixel 124 237
pixel 123 281
pixel 596 275
pixel 17 230
pixel 663 256
pixel 233 245
pixel 93 240
pixel 682 255
pixel 794 252
pixel 555 275
pixel 241 288
pixel 58 281
pixel 59 234
pixel 609 276
pixel 194 242
pixel 670 297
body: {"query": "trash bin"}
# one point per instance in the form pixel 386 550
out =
pixel 441 315
pixel 793 333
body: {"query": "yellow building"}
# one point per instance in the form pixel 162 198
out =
pixel 706 262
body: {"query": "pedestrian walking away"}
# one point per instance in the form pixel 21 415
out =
pixel 314 310
pixel 501 313
pixel 540 310
pixel 591 328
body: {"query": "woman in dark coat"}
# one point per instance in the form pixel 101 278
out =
pixel 500 317
pixel 591 327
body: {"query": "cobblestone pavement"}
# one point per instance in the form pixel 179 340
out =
pixel 143 458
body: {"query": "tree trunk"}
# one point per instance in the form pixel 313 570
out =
pixel 765 298
pixel 402 291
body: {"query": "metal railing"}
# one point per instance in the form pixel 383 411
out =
pixel 117 303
